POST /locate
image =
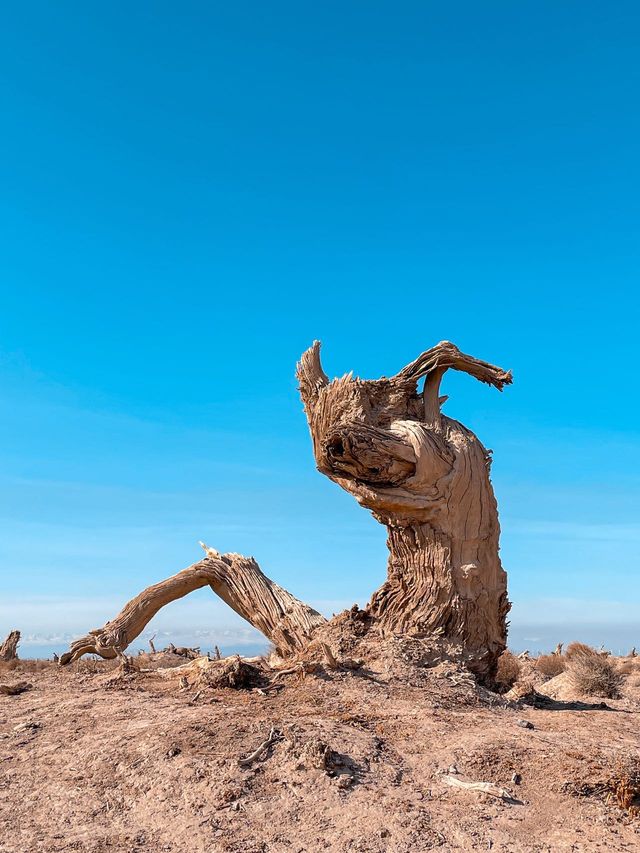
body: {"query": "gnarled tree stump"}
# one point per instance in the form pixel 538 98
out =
pixel 9 648
pixel 423 475
pixel 426 478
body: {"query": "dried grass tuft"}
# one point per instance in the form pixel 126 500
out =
pixel 508 671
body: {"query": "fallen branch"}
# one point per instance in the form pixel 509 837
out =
pixel 479 787
pixel 274 736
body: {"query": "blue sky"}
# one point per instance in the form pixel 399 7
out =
pixel 192 195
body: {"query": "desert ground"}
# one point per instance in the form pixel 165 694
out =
pixel 157 757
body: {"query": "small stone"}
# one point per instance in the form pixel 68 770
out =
pixel 516 778
pixel 453 770
pixel 524 724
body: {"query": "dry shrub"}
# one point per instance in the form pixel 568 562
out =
pixel 550 665
pixel 624 788
pixel 592 674
pixel 575 650
pixel 508 671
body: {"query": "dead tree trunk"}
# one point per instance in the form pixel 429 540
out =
pixel 9 649
pixel 426 477
pixel 423 475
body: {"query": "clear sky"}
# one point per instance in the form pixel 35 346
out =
pixel 193 192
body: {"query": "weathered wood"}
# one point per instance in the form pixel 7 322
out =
pixel 9 648
pixel 479 787
pixel 282 618
pixel 423 475
pixel 426 477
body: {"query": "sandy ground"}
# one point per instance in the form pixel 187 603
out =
pixel 93 761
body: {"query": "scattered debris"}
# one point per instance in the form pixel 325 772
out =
pixel 237 674
pixel 30 726
pixel 316 754
pixel 183 651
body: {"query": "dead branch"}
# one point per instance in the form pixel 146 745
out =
pixel 274 736
pixel 479 787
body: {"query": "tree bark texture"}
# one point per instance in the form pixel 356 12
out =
pixel 426 478
pixel 238 580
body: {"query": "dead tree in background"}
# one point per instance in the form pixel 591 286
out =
pixel 423 475
pixel 9 649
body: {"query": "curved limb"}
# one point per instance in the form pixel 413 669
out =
pixel 446 355
pixel 238 580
